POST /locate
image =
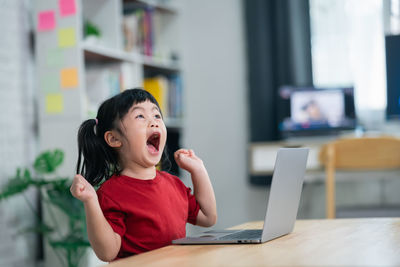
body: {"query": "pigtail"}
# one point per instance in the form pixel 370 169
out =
pixel 96 160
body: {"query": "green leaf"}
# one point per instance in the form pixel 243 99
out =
pixel 17 184
pixel 49 183
pixel 40 228
pixel 61 197
pixel 91 29
pixel 70 242
pixel 27 175
pixel 48 161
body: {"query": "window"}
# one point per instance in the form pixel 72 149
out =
pixel 347 39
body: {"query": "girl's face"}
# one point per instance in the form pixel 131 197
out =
pixel 145 135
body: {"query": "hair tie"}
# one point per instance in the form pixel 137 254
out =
pixel 97 121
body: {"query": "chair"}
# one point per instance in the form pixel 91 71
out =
pixel 365 153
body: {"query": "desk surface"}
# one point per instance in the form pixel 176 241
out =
pixel 339 242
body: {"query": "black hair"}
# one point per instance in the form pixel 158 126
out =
pixel 100 161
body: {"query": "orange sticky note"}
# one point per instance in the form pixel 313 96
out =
pixel 46 21
pixel 69 78
pixel 54 103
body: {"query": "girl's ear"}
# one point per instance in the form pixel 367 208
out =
pixel 112 139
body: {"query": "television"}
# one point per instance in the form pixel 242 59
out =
pixel 392 46
pixel 304 111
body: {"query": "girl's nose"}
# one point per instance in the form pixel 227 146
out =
pixel 153 123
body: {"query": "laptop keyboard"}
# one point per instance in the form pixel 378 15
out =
pixel 245 234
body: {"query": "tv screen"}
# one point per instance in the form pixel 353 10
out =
pixel 315 111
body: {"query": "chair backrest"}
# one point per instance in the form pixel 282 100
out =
pixel 366 153
pixel 363 153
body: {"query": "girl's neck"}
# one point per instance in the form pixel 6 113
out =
pixel 140 173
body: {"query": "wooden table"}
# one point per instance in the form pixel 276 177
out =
pixel 338 242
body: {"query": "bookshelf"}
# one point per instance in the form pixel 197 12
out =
pixel 89 50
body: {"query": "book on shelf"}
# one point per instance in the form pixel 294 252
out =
pixel 102 82
pixel 175 96
pixel 131 33
pixel 158 87
pixel 148 32
pixel 143 28
pixel 168 92
pixel 138 31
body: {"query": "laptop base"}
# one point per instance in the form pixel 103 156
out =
pixel 221 237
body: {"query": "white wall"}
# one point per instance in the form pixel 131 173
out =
pixel 17 135
pixel 215 83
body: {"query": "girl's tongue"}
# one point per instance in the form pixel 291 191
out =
pixel 153 143
pixel 152 149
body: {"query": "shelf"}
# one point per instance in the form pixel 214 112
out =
pixel 104 54
pixel 167 65
pixel 165 8
pixel 99 53
pixel 175 123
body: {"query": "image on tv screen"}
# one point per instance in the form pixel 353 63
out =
pixel 317 108
pixel 313 110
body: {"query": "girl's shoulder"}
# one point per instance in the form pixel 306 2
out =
pixel 167 175
pixel 170 178
pixel 110 184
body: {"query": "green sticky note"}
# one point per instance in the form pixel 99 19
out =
pixel 55 58
pixel 54 103
pixel 50 83
pixel 66 37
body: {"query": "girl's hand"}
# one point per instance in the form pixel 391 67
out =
pixel 187 160
pixel 82 189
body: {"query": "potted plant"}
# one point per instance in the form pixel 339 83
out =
pixel 67 235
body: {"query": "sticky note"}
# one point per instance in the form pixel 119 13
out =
pixel 54 103
pixel 69 78
pixel 46 21
pixel 50 83
pixel 66 37
pixel 67 7
pixel 55 58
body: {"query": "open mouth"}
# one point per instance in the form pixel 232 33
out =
pixel 153 142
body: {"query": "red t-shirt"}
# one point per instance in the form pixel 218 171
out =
pixel 147 214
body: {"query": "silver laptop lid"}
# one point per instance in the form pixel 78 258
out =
pixel 286 187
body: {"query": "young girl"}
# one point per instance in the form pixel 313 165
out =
pixel 137 208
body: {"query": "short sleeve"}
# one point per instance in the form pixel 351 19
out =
pixel 194 207
pixel 113 213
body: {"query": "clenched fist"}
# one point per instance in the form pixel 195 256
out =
pixel 187 160
pixel 82 189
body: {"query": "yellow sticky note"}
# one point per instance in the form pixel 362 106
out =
pixel 54 103
pixel 69 78
pixel 66 37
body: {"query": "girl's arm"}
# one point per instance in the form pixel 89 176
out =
pixel 104 241
pixel 203 190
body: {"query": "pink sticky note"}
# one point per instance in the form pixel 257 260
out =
pixel 67 7
pixel 46 21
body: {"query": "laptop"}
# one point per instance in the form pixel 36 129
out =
pixel 282 206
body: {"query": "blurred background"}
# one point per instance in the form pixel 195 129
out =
pixel 236 80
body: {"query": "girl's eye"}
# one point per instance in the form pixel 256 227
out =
pixel 140 116
pixel 158 116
